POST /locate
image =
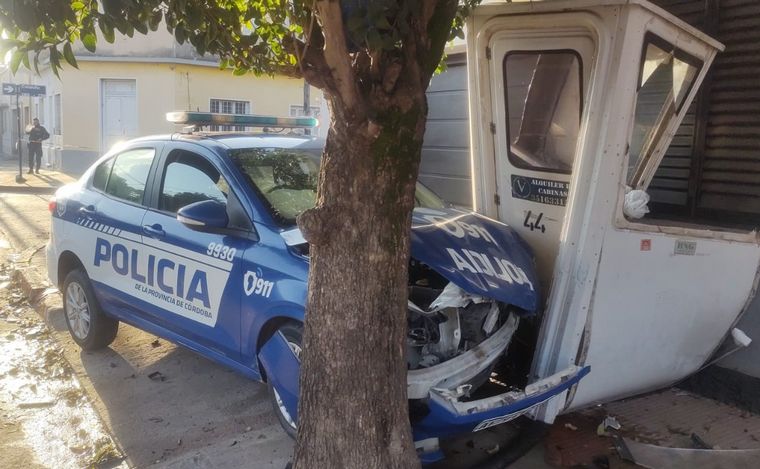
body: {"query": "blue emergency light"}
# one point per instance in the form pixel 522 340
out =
pixel 244 120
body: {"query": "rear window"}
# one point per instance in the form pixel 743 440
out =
pixel 129 174
pixel 100 178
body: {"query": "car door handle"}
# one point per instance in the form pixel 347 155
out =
pixel 154 231
pixel 88 210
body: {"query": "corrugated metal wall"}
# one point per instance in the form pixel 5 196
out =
pixel 731 171
pixel 445 165
pixel 722 132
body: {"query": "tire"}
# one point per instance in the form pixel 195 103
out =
pixel 293 333
pixel 88 326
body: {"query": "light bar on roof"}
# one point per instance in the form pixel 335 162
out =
pixel 244 120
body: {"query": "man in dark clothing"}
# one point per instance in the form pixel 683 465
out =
pixel 36 136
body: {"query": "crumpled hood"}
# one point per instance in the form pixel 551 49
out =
pixel 482 256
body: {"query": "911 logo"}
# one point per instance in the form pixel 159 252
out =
pixel 254 284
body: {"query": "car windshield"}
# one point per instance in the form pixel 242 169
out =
pixel 287 180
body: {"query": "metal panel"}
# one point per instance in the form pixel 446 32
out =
pixel 445 166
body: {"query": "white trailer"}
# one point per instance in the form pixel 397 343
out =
pixel 573 104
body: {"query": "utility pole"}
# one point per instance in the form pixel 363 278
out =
pixel 306 103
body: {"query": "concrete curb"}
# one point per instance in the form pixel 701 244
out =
pixel 27 190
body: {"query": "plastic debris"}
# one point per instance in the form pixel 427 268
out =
pixel 608 422
pixel 652 456
pixel 635 205
pixel 453 296
pixel 157 376
pixel 571 426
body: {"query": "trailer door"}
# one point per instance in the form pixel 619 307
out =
pixel 538 100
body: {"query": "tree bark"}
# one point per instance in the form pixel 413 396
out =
pixel 353 360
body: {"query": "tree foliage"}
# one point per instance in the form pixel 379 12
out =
pixel 263 36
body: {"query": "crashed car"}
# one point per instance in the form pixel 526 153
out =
pixel 192 237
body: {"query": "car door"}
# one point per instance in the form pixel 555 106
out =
pixel 189 285
pixel 108 223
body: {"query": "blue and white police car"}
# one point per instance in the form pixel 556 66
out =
pixel 192 237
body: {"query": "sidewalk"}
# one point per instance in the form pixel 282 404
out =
pixel 47 182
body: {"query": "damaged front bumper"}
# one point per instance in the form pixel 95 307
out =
pixel 450 415
pixel 463 368
pixel 447 413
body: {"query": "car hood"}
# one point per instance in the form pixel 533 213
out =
pixel 481 256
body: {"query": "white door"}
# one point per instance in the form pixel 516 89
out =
pixel 118 111
pixel 538 102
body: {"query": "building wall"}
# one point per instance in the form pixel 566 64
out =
pixel 161 86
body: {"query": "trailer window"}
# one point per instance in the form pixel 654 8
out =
pixel 666 76
pixel 544 103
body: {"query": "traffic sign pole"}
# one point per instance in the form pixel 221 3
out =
pixel 19 177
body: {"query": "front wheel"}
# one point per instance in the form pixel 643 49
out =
pixel 293 334
pixel 87 324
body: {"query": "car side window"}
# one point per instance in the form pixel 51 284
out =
pixel 129 174
pixel 190 178
pixel 100 177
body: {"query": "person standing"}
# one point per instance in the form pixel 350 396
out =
pixel 36 136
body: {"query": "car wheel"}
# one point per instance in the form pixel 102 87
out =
pixel 293 334
pixel 87 324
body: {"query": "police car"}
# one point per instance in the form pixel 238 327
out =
pixel 193 237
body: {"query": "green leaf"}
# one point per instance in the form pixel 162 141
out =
pixel 239 72
pixel 89 40
pixel 140 27
pixel 16 58
pixel 25 61
pixel 179 33
pixel 77 6
pixel 155 20
pixel 55 62
pixel 68 54
pixel 355 23
pixel 106 27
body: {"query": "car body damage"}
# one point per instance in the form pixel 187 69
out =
pixel 472 290
pixel 480 255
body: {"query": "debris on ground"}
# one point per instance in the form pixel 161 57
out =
pixel 43 410
pixel 157 376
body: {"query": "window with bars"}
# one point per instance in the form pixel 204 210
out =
pixel 229 106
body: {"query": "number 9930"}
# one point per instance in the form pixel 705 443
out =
pixel 221 251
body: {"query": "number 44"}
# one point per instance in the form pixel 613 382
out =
pixel 534 225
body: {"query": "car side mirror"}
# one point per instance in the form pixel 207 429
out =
pixel 204 215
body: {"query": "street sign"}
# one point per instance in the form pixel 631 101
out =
pixel 31 90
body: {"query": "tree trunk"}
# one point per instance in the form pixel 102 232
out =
pixel 353 361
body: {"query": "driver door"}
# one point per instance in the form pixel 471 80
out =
pixel 188 281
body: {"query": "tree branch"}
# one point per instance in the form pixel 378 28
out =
pixel 336 54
